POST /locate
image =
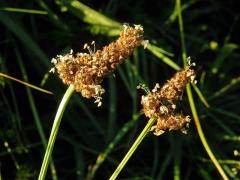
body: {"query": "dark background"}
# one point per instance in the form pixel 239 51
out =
pixel 28 41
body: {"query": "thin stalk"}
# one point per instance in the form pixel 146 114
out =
pixel 133 148
pixel 54 131
pixel 35 113
pixel 202 136
pixel 191 100
pixel 180 23
pixel 177 159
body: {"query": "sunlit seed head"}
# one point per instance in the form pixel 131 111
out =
pixel 86 71
pixel 161 103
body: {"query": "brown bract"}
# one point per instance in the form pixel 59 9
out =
pixel 160 103
pixel 86 70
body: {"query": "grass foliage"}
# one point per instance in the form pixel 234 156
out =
pixel 92 141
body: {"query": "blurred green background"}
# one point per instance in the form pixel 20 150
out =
pixel 33 32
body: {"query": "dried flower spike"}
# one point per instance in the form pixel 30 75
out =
pixel 86 70
pixel 160 103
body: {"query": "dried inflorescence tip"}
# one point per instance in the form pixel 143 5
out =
pixel 86 70
pixel 160 103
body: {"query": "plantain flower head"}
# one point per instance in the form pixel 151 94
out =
pixel 86 70
pixel 160 103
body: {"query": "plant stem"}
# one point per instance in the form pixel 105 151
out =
pixel 133 148
pixel 35 112
pixel 180 22
pixel 191 100
pixel 54 131
pixel 202 136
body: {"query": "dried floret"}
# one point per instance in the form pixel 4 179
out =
pixel 160 103
pixel 86 70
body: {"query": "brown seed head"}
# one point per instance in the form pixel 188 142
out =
pixel 86 71
pixel 160 103
pixel 172 90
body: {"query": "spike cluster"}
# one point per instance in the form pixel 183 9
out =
pixel 86 70
pixel 160 103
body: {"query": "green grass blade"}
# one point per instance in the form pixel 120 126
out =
pixel 202 136
pixel 158 53
pixel 79 162
pixel 156 159
pixel 191 100
pixel 129 73
pixel 125 80
pixel 23 36
pixel 89 15
pixel 173 17
pixel 18 118
pixel 54 17
pixel 145 67
pixel 30 11
pixel 92 17
pixel 218 121
pixel 200 95
pixel 226 88
pixel 164 165
pixel 25 83
pixel 224 52
pixel 226 113
pixel 14 116
pixel 35 114
pixel 177 159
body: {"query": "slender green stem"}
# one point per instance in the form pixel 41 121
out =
pixel 54 131
pixel 133 148
pixel 200 95
pixel 177 159
pixel 35 112
pixel 180 22
pixel 31 11
pixel 191 100
pixel 202 136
